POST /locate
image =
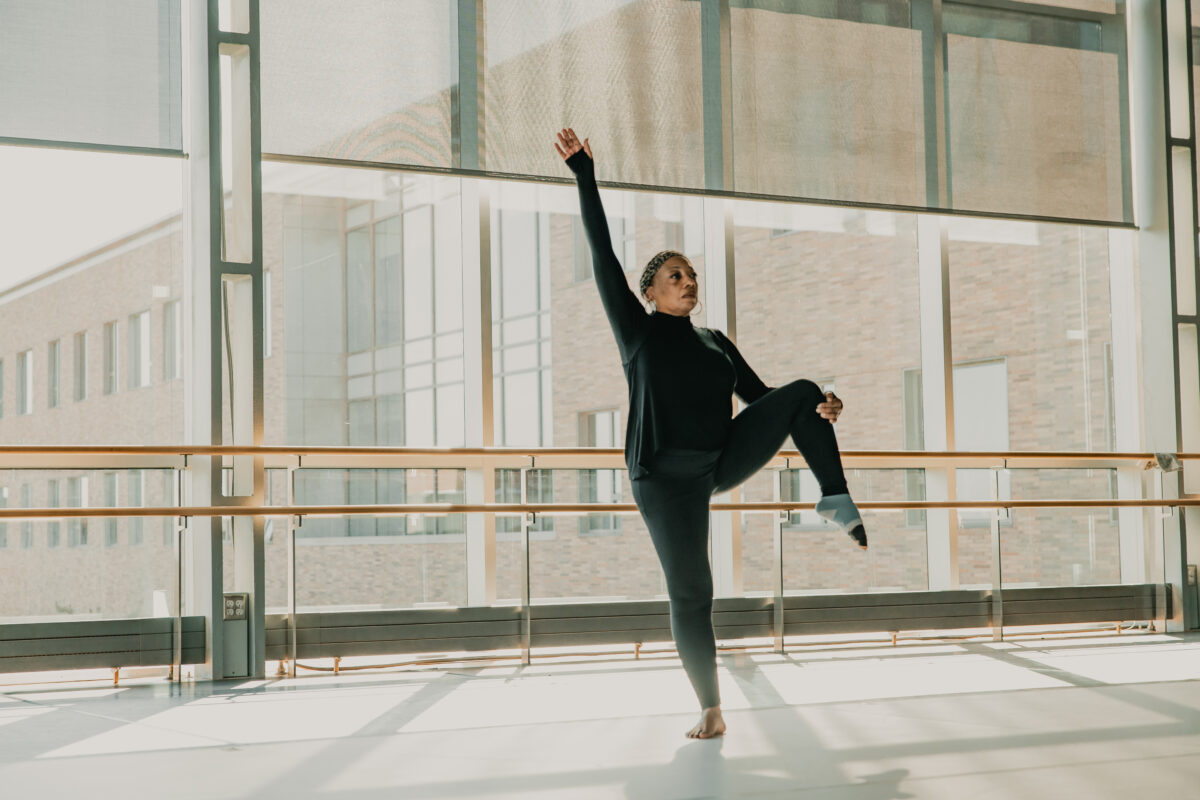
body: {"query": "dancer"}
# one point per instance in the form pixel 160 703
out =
pixel 682 442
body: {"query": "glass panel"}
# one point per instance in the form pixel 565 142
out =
pixel 1096 6
pixel 361 350
pixel 101 73
pixel 535 301
pixel 97 571
pixel 396 562
pixel 1034 115
pixel 111 250
pixel 387 294
pixel 785 299
pixel 1046 546
pixel 853 127
pixel 819 558
pixel 1031 329
pixel 359 291
pixel 363 82
pixel 551 60
pixel 418 272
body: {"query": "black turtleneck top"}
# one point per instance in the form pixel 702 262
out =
pixel 681 378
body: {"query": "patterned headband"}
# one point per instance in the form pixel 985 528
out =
pixel 652 268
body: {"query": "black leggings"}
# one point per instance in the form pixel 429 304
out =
pixel 674 501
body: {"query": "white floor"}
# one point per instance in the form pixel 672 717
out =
pixel 1099 717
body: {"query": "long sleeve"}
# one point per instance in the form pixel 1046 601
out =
pixel 748 385
pixel 625 313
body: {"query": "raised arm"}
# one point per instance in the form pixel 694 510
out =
pixel 625 313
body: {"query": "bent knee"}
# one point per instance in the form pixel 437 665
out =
pixel 806 392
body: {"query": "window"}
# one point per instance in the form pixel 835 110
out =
pixel 600 429
pixel 53 528
pixel 81 366
pixel 26 525
pixel 173 342
pixel 112 343
pixel 623 233
pixel 914 439
pixel 53 351
pixel 267 339
pixel 980 423
pixel 77 498
pixel 25 382
pixel 168 493
pixel 539 489
pixel 800 486
pixel 137 496
pixel 3 525
pixel 139 350
pixel 1 388
pixel 110 501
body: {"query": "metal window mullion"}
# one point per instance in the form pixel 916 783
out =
pixel 466 96
pixel 927 18
pixel 717 88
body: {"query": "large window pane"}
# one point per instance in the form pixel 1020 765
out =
pixel 831 295
pixel 94 250
pixel 1031 328
pixel 828 101
pixel 52 577
pixel 397 562
pixel 368 81
pixel 1034 114
pixel 101 73
pixel 367 370
pixel 559 380
pixel 625 74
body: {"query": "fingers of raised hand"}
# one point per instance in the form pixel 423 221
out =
pixel 569 144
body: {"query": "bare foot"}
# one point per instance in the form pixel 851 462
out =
pixel 711 724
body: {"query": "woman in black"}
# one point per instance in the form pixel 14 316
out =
pixel 682 444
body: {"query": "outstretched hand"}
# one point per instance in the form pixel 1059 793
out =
pixel 831 408
pixel 568 144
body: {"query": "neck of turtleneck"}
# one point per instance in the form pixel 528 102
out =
pixel 671 319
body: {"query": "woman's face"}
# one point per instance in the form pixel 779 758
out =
pixel 675 288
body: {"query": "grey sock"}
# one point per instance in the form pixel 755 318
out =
pixel 841 511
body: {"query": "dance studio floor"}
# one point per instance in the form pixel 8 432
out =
pixel 1081 717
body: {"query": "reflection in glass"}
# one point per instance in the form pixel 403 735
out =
pixel 79 576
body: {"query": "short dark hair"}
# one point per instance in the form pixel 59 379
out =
pixel 652 268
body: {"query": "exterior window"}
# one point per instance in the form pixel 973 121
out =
pixel 77 498
pixel 540 490
pixel 25 382
pixel 980 423
pixel 81 371
pixel 53 528
pixel 53 371
pixel 139 350
pixel 26 525
pixel 110 500
pixel 267 343
pixel 172 342
pixel 168 493
pixel 137 496
pixel 914 439
pixel 621 229
pixel 3 525
pixel 112 344
pixel 1 388
pixel 600 429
